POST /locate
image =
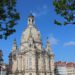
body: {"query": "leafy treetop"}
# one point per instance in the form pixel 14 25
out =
pixel 8 17
pixel 66 9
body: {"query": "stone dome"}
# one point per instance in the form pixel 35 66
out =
pixel 31 30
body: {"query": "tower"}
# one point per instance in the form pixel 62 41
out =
pixel 51 57
pixel 10 64
pixel 13 59
pixel 14 48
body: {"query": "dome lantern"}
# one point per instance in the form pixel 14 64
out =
pixel 30 20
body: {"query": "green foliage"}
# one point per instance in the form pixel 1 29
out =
pixel 8 17
pixel 66 9
pixel 57 22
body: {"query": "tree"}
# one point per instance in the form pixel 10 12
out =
pixel 66 9
pixel 8 18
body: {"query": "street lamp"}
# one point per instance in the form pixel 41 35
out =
pixel 1 69
pixel 1 64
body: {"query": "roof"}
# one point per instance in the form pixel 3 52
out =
pixel 64 64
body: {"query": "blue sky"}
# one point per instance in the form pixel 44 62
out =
pixel 62 37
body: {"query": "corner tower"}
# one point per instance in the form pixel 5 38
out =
pixel 51 57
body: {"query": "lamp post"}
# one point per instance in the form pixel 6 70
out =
pixel 1 61
pixel 1 69
pixel 1 65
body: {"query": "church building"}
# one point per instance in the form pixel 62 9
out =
pixel 31 58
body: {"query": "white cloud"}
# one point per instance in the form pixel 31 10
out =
pixel 40 11
pixel 70 43
pixel 53 40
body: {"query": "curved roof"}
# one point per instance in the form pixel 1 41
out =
pixel 30 30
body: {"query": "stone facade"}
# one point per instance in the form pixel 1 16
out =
pixel 31 58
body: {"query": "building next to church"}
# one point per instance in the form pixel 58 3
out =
pixel 31 58
pixel 64 68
